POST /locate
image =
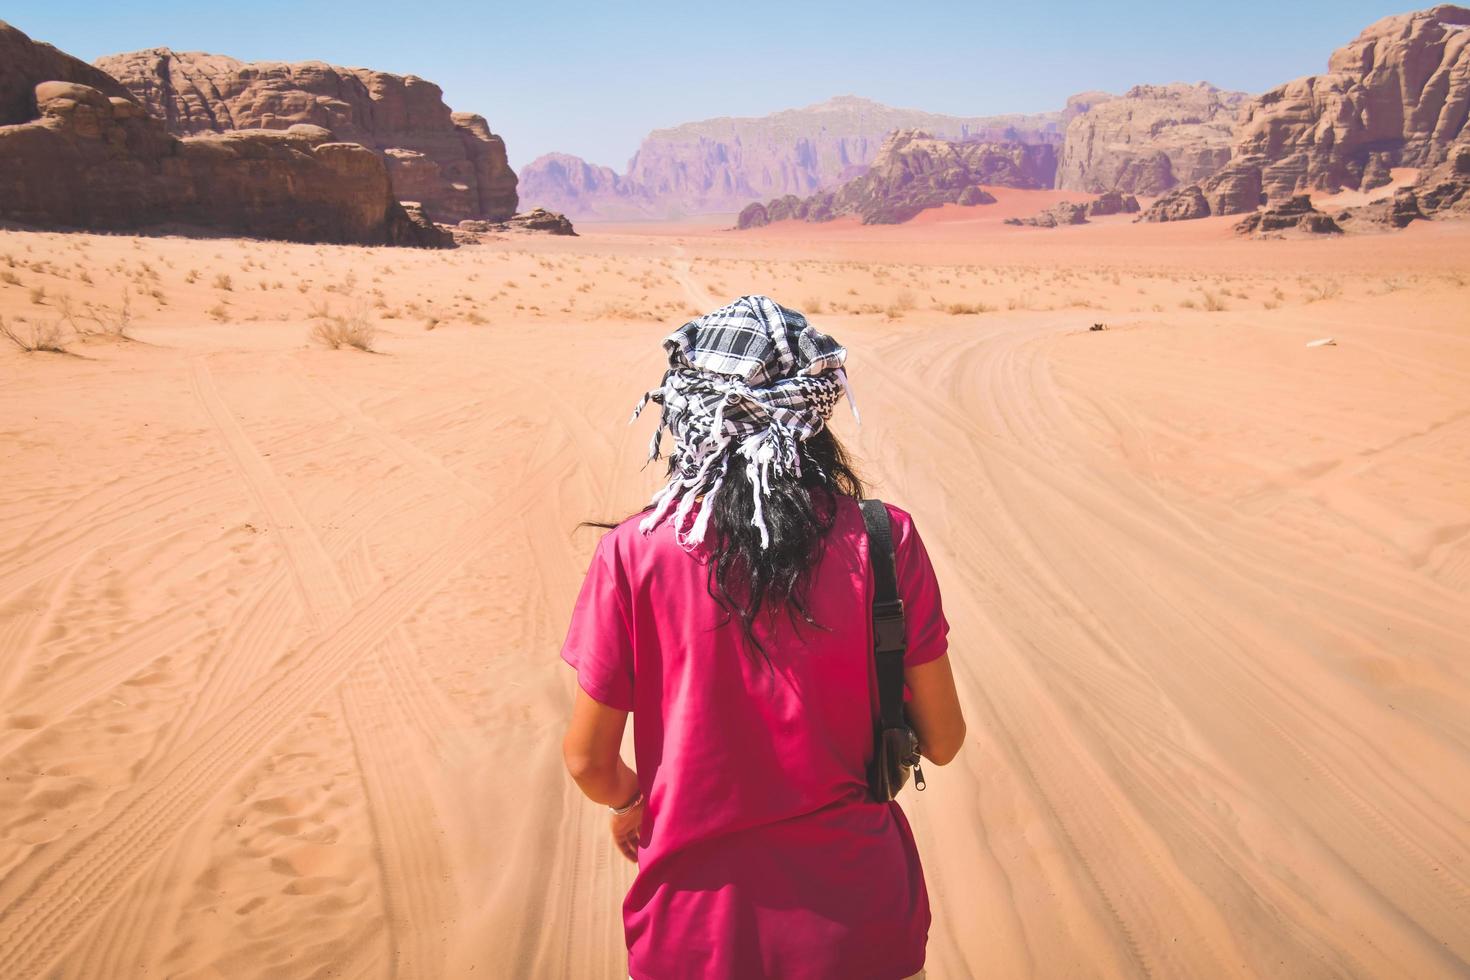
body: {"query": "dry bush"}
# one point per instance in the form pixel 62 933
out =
pixel 350 329
pixel 220 312
pixel 814 305
pixel 1327 289
pixel 1212 302
pixel 111 323
pixel 223 281
pixel 967 309
pixel 35 336
pixel 38 295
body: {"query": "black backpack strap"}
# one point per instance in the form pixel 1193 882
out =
pixel 887 615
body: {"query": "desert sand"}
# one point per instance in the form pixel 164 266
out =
pixel 279 624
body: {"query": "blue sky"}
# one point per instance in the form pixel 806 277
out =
pixel 592 79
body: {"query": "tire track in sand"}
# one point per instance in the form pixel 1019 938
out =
pixel 51 898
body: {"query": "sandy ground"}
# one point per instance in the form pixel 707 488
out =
pixel 279 624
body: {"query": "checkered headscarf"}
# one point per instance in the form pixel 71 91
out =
pixel 750 379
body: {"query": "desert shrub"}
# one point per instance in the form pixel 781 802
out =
pixel 813 305
pixel 1212 302
pixel 34 336
pixel 1326 289
pixel 967 309
pixel 350 329
pixel 223 281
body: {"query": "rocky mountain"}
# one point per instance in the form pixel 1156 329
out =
pixel 1152 138
pixel 76 150
pixel 915 170
pixel 580 188
pixel 1398 95
pixel 448 161
pixel 723 164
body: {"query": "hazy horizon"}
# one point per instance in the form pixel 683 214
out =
pixel 605 78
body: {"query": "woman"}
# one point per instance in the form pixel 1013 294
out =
pixel 731 618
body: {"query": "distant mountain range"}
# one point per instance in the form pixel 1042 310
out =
pixel 718 165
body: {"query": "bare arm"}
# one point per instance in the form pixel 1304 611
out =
pixel 592 747
pixel 935 711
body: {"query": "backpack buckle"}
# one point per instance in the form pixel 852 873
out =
pixel 888 630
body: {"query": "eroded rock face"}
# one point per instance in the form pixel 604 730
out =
pixel 1153 138
pixel 1444 191
pixel 1398 95
pixel 24 63
pixel 87 159
pixel 1236 189
pixel 449 161
pixel 914 171
pixel 716 165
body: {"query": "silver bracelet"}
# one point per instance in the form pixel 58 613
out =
pixel 620 810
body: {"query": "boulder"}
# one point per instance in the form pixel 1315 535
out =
pixel 1065 213
pixel 87 159
pixel 450 162
pixel 542 220
pixel 1184 204
pixel 1398 95
pixel 753 216
pixel 1151 139
pixel 1294 214
pixel 1112 202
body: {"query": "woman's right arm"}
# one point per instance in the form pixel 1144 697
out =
pixel 934 712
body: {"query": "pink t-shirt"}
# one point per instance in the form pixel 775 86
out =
pixel 761 853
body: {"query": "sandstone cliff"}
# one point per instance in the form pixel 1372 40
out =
pixel 722 164
pixel 450 162
pixel 914 170
pixel 1151 139
pixel 81 157
pixel 1399 95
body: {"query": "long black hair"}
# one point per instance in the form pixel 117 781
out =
pixel 745 578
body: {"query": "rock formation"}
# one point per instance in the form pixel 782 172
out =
pixel 913 171
pixel 1293 214
pixel 1068 213
pixel 1397 211
pixel 449 161
pixel 1151 139
pixel 85 159
pixel 1234 190
pixel 1444 191
pixel 722 164
pixel 1399 95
